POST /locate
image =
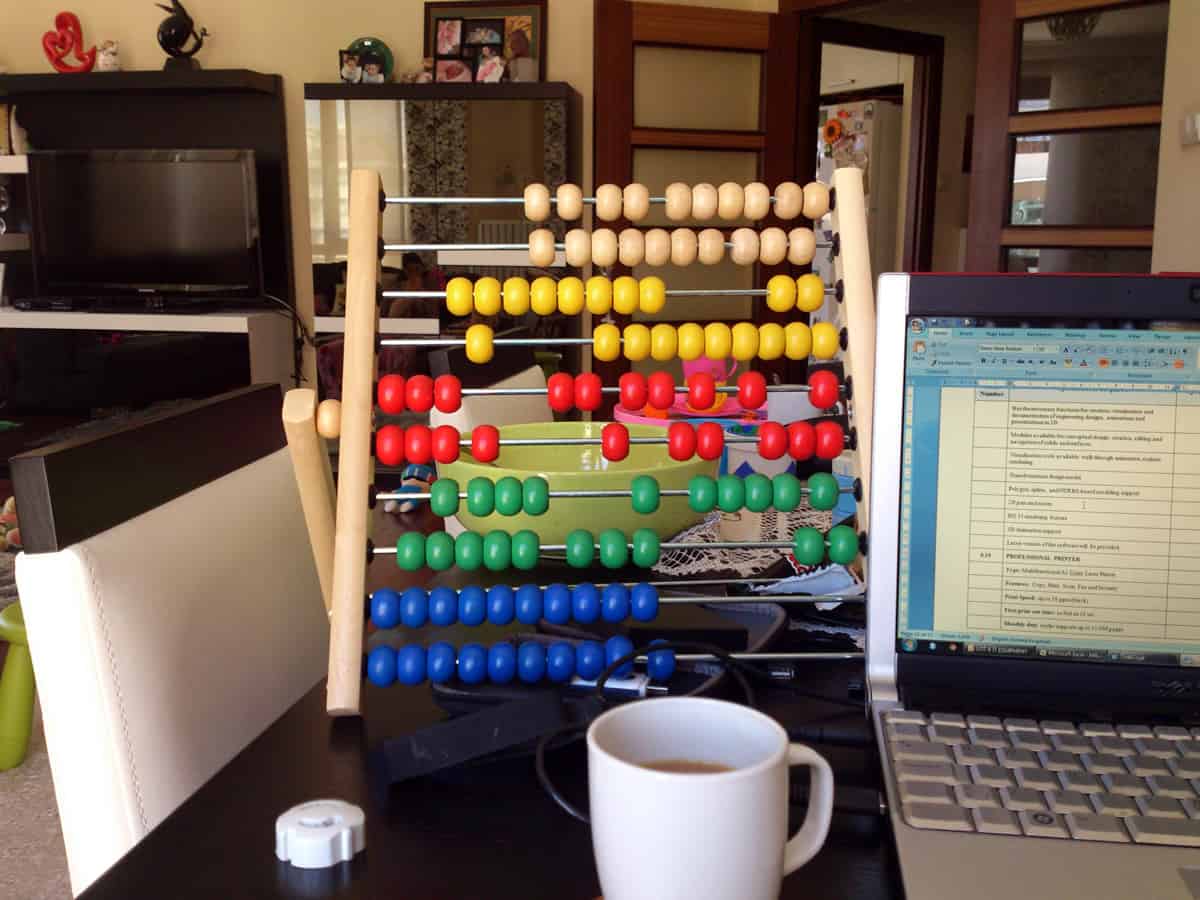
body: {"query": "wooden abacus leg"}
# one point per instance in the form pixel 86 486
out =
pixel 314 480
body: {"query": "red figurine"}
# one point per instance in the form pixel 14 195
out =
pixel 65 40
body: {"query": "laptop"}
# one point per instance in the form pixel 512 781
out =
pixel 1033 649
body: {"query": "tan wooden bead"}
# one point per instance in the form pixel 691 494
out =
pixel 537 202
pixel 816 200
pixel 658 247
pixel 757 201
pixel 731 200
pixel 578 246
pixel 569 202
pixel 604 247
pixel 789 200
pixel 683 246
pixel 636 203
pixel 631 247
pixel 541 248
pixel 608 202
pixel 704 201
pixel 744 251
pixel 329 418
pixel 772 246
pixel 712 247
pixel 802 246
pixel 679 201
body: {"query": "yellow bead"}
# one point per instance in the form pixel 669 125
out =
pixel 637 342
pixel 770 341
pixel 459 299
pixel 625 295
pixel 606 342
pixel 745 341
pixel 781 293
pixel 664 341
pixel 825 340
pixel 599 295
pixel 810 292
pixel 652 294
pixel 570 296
pixel 515 296
pixel 797 340
pixel 690 341
pixel 487 296
pixel 479 344
pixel 544 296
pixel 718 340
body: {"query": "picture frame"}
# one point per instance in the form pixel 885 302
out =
pixel 495 41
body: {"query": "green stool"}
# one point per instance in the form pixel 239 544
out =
pixel 16 690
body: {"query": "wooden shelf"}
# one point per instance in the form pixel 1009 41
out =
pixel 511 90
pixel 224 322
pixel 14 165
pixel 201 81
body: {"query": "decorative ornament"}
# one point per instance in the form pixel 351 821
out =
pixel 374 58
pixel 67 39
pixel 174 33
pixel 1072 26
pixel 108 57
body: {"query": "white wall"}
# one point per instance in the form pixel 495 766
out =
pixel 1177 211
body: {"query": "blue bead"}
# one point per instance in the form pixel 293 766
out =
pixel 644 598
pixel 410 664
pixel 614 603
pixel 472 605
pixel 614 648
pixel 502 663
pixel 501 605
pixel 589 659
pixel 557 608
pixel 560 662
pixel 385 608
pixel 529 604
pixel 443 606
pixel 439 662
pixel 414 608
pixel 472 664
pixel 660 664
pixel 381 666
pixel 531 662
pixel 585 603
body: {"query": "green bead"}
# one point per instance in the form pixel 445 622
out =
pixel 443 497
pixel 580 548
pixel 644 494
pixel 481 497
pixel 536 491
pixel 785 492
pixel 702 494
pixel 758 492
pixel 439 551
pixel 497 551
pixel 410 551
pixel 508 496
pixel 525 548
pixel 468 551
pixel 823 491
pixel 808 545
pixel 646 549
pixel 614 550
pixel 731 493
pixel 843 544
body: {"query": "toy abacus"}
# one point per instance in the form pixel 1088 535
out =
pixel 345 547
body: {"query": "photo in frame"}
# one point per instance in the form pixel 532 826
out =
pixel 486 42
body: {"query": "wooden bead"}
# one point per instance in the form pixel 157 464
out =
pixel 690 341
pixel 537 202
pixel 604 247
pixel 810 292
pixel 625 295
pixel 683 246
pixel 636 202
pixel 578 244
pixel 802 246
pixel 631 247
pixel 608 202
pixel 772 246
pixel 731 200
pixel 711 247
pixel 329 418
pixel 816 200
pixel 756 202
pixel 652 295
pixel 789 200
pixel 599 295
pixel 679 201
pixel 745 247
pixel 541 248
pixel 658 247
pixel 704 201
pixel 569 202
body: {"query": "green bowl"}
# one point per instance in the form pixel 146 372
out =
pixel 582 467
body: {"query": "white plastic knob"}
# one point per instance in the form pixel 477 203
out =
pixel 320 834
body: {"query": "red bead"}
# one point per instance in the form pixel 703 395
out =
pixel 560 392
pixel 614 441
pixel 802 440
pixel 772 440
pixel 389 445
pixel 418 444
pixel 710 440
pixel 390 394
pixel 419 393
pixel 633 391
pixel 702 391
pixel 831 440
pixel 588 391
pixel 681 441
pixel 447 393
pixel 823 389
pixel 445 444
pixel 752 390
pixel 660 390
pixel 485 443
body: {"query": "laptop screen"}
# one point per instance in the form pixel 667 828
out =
pixel 1050 492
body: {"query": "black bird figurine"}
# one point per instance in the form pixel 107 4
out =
pixel 174 33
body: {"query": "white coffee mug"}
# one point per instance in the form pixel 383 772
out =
pixel 700 836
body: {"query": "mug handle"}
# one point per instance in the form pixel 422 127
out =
pixel 811 836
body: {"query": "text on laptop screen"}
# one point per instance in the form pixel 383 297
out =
pixel 1050 493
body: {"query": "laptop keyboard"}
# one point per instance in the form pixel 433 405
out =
pixel 1051 779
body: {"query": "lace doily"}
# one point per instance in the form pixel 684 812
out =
pixel 774 526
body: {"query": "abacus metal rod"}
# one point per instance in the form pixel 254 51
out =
pixel 766 657
pixel 665 545
pixel 768 598
pixel 613 389
pixel 698 292
pixel 479 201
pixel 559 245
pixel 595 442
pixel 575 494
pixel 498 342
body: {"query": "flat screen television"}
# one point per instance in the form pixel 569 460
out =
pixel 113 223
